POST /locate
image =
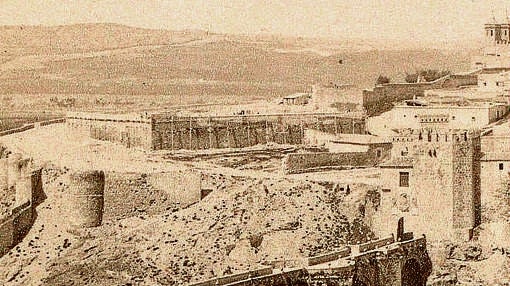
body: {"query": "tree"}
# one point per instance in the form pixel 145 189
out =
pixel 426 75
pixel 382 80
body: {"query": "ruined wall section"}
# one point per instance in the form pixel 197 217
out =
pixel 23 182
pixel 128 130
pixel 381 98
pixel 308 162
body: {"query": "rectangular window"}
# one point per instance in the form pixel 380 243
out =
pixel 501 166
pixel 404 179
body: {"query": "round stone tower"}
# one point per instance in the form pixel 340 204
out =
pixel 86 198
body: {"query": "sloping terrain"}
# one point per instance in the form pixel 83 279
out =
pixel 95 65
pixel 244 224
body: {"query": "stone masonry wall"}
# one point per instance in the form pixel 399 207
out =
pixel 380 262
pixel 382 97
pixel 130 133
pixel 305 162
pixel 167 132
pixel 444 186
pixel 196 133
pixel 466 182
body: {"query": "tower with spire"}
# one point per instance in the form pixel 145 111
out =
pixel 496 49
pixel 498 32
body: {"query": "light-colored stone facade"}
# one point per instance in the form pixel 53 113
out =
pixel 433 181
pixel 447 116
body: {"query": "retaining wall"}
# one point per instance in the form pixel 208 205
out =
pixel 363 262
pixel 308 162
pixel 261 277
pixel 331 256
pixel 371 245
pixel 381 98
pixel 234 278
pixel 15 226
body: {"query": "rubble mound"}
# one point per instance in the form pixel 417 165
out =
pixel 245 223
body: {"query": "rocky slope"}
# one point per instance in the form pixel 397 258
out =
pixel 245 223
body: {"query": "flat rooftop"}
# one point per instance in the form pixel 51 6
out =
pixel 467 92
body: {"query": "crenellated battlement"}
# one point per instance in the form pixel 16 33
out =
pixel 435 135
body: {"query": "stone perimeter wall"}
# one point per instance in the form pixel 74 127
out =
pixel 19 177
pixel 167 132
pixel 381 98
pixel 196 133
pixel 14 226
pixel 308 162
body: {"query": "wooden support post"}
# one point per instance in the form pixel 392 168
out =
pixel 302 130
pixel 336 125
pixel 249 141
pixel 210 130
pixel 190 135
pixel 172 131
pixel 267 132
pixel 285 133
pixel 228 137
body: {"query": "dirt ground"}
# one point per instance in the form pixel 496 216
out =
pixel 145 240
pixel 255 216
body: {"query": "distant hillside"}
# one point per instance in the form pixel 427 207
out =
pixel 23 40
pixel 115 59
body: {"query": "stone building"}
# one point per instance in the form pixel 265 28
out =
pixel 495 163
pixel 450 115
pixel 343 97
pixel 496 52
pixel 433 181
pixel 296 99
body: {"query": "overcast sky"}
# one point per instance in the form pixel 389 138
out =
pixel 429 20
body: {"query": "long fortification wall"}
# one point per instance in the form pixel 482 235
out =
pixel 194 133
pixel 31 126
pixel 130 131
pixel 381 98
pixel 168 132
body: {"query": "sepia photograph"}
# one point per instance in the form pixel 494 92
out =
pixel 254 143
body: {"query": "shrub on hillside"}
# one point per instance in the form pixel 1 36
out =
pixel 382 80
pixel 426 75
